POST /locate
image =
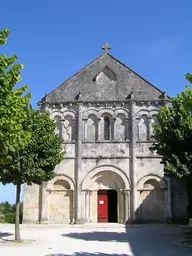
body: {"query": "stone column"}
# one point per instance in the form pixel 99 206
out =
pixel 73 129
pixel 90 206
pixel 87 206
pixel 98 129
pixel 44 203
pixel 79 132
pixel 73 206
pixel 113 128
pixel 150 129
pixel 133 161
pixel 126 129
pixel 126 206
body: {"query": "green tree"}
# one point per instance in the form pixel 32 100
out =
pixel 12 105
pixel 36 162
pixel 6 207
pixel 173 138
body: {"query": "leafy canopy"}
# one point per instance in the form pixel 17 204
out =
pixel 13 105
pixel 36 162
pixel 173 133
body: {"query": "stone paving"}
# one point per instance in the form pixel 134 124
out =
pixel 96 240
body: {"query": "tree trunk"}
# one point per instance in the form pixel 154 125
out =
pixel 188 182
pixel 17 229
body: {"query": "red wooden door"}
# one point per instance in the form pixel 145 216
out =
pixel 102 206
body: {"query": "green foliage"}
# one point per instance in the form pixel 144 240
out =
pixel 9 217
pixel 7 212
pixel 173 138
pixel 36 162
pixel 29 148
pixel 6 207
pixel 188 77
pixel 13 105
pixel 172 135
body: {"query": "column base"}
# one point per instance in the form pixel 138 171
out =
pixel 44 222
pixel 80 221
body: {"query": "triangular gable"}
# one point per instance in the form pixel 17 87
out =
pixel 122 82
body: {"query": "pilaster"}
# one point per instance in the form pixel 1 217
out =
pixel 78 212
pixel 133 161
pixel 44 204
pixel 126 206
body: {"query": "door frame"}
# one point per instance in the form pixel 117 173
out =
pixel 120 204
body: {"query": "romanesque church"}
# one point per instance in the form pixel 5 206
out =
pixel 104 115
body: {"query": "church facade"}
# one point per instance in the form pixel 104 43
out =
pixel 104 115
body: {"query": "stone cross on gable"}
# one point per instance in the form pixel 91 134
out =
pixel 106 47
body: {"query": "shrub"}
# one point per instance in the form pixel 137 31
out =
pixel 9 217
pixel 2 218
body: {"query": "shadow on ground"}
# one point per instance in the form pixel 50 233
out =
pixel 4 234
pixel 148 240
pixel 87 254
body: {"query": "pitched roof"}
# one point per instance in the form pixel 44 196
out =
pixel 105 78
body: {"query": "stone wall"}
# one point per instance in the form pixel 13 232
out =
pixel 126 153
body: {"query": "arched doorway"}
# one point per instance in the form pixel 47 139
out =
pixel 107 185
pixel 61 202
pixel 152 199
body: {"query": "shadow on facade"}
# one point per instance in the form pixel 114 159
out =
pixel 153 202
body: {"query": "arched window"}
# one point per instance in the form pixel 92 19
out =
pixel 58 129
pixel 107 128
pixel 67 128
pixel 92 128
pixel 154 120
pixel 143 128
pixel 120 127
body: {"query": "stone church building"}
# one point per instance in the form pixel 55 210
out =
pixel 104 115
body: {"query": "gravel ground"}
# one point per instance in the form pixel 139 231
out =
pixel 92 240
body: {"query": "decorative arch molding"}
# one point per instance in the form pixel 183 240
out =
pixel 162 182
pixel 92 176
pixel 125 112
pixel 69 113
pixel 91 111
pixel 62 114
pixel 143 112
pixel 60 177
pixel 55 113
pixel 153 113
pixel 108 111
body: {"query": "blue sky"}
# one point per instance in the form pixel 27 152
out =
pixel 54 39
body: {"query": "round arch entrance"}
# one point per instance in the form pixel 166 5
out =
pixel 107 189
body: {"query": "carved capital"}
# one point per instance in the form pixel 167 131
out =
pixel 133 103
pixel 126 193
pixel 49 190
